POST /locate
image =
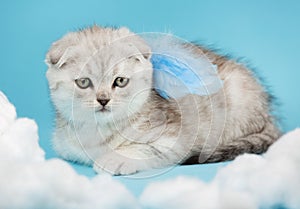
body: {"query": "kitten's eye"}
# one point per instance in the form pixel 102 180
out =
pixel 120 82
pixel 83 83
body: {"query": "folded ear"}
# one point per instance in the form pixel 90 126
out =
pixel 136 41
pixel 58 52
pixel 142 46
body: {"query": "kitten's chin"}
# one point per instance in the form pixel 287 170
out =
pixel 109 116
pixel 106 115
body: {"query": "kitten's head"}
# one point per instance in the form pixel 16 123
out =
pixel 99 72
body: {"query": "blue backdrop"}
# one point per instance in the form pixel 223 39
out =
pixel 266 33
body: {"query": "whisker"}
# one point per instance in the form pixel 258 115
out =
pixel 120 101
pixel 91 104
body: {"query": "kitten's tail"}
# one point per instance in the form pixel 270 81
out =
pixel 256 143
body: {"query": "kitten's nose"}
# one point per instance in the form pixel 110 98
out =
pixel 103 102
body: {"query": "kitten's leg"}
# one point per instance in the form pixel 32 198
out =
pixel 133 157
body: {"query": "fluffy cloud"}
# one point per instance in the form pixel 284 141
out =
pixel 29 181
pixel 249 182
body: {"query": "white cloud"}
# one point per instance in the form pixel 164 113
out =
pixel 249 182
pixel 29 181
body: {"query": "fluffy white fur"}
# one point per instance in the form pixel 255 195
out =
pixel 86 128
pixel 139 130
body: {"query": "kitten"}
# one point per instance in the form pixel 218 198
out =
pixel 108 115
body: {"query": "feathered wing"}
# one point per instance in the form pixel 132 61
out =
pixel 178 71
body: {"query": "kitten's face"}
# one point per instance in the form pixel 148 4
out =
pixel 99 80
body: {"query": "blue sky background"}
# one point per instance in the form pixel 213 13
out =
pixel 265 33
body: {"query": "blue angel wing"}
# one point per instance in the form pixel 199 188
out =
pixel 178 71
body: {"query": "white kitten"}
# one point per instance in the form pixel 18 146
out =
pixel 109 116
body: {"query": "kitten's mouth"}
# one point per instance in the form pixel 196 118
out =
pixel 103 109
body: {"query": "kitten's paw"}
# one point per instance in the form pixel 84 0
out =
pixel 116 165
